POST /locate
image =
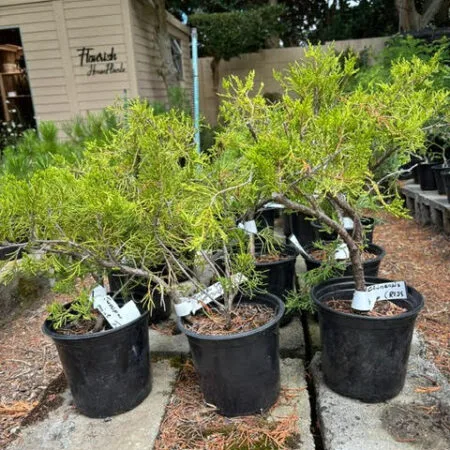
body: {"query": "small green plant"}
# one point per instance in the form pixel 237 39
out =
pixel 37 150
pixel 91 127
pixel 79 310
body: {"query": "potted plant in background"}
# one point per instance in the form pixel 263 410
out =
pixel 324 146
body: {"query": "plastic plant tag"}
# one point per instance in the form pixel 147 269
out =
pixel 190 305
pixel 342 252
pixel 297 244
pixel 273 205
pixel 365 300
pixel 249 227
pixel 347 222
pixel 111 311
pixel 395 290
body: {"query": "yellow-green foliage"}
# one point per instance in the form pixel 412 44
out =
pixel 321 140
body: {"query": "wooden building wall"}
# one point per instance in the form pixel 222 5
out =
pixel 54 32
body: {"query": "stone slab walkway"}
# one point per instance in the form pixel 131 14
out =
pixel 418 418
pixel 137 429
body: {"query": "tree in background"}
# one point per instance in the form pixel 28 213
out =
pixel 415 15
pixel 228 34
pixel 299 17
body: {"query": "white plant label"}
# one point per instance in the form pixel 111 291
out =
pixel 342 252
pixel 365 300
pixel 273 205
pixel 111 311
pixel 190 305
pixel 297 244
pixel 249 227
pixel 348 223
pixel 395 290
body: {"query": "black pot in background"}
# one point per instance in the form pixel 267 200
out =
pixel 265 217
pixel 426 177
pixel 278 277
pixel 364 357
pixel 240 374
pixel 108 372
pixel 446 179
pixel 300 226
pixel 320 234
pixel 10 251
pixel 438 170
pixel 136 290
pixel 371 266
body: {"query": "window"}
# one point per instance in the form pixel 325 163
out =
pixel 177 56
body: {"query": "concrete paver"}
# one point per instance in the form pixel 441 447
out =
pixel 137 429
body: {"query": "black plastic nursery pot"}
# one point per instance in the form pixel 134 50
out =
pixel 108 372
pixel 446 179
pixel 364 357
pixel 371 266
pixel 300 226
pixel 426 178
pixel 9 251
pixel 278 277
pixel 136 290
pixel 438 172
pixel 320 234
pixel 240 374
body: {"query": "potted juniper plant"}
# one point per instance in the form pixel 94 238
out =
pixel 128 206
pixel 317 152
pixel 232 326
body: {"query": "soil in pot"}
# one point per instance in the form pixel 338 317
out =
pixel 364 357
pixel 108 372
pixel 240 373
pixel 372 258
pixel 381 309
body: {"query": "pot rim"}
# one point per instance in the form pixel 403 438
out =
pixel 82 337
pixel 378 257
pixel 231 337
pixel 370 281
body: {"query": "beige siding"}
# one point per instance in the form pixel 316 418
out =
pixel 148 61
pixel 54 31
pixel 37 24
pixel 263 63
pixel 97 24
pixel 147 54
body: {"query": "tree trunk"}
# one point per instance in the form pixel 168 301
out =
pixel 410 19
pixel 167 70
pixel 215 83
pixel 273 41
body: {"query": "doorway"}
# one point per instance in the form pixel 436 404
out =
pixel 16 104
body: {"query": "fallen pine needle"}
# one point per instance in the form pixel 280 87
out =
pixel 427 390
pixel 17 409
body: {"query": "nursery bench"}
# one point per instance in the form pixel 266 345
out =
pixel 427 207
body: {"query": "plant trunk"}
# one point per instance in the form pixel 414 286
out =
pixel 353 246
pixel 411 20
pixel 215 82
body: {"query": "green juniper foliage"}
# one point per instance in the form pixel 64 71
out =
pixel 321 146
pixel 137 202
pixel 79 310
